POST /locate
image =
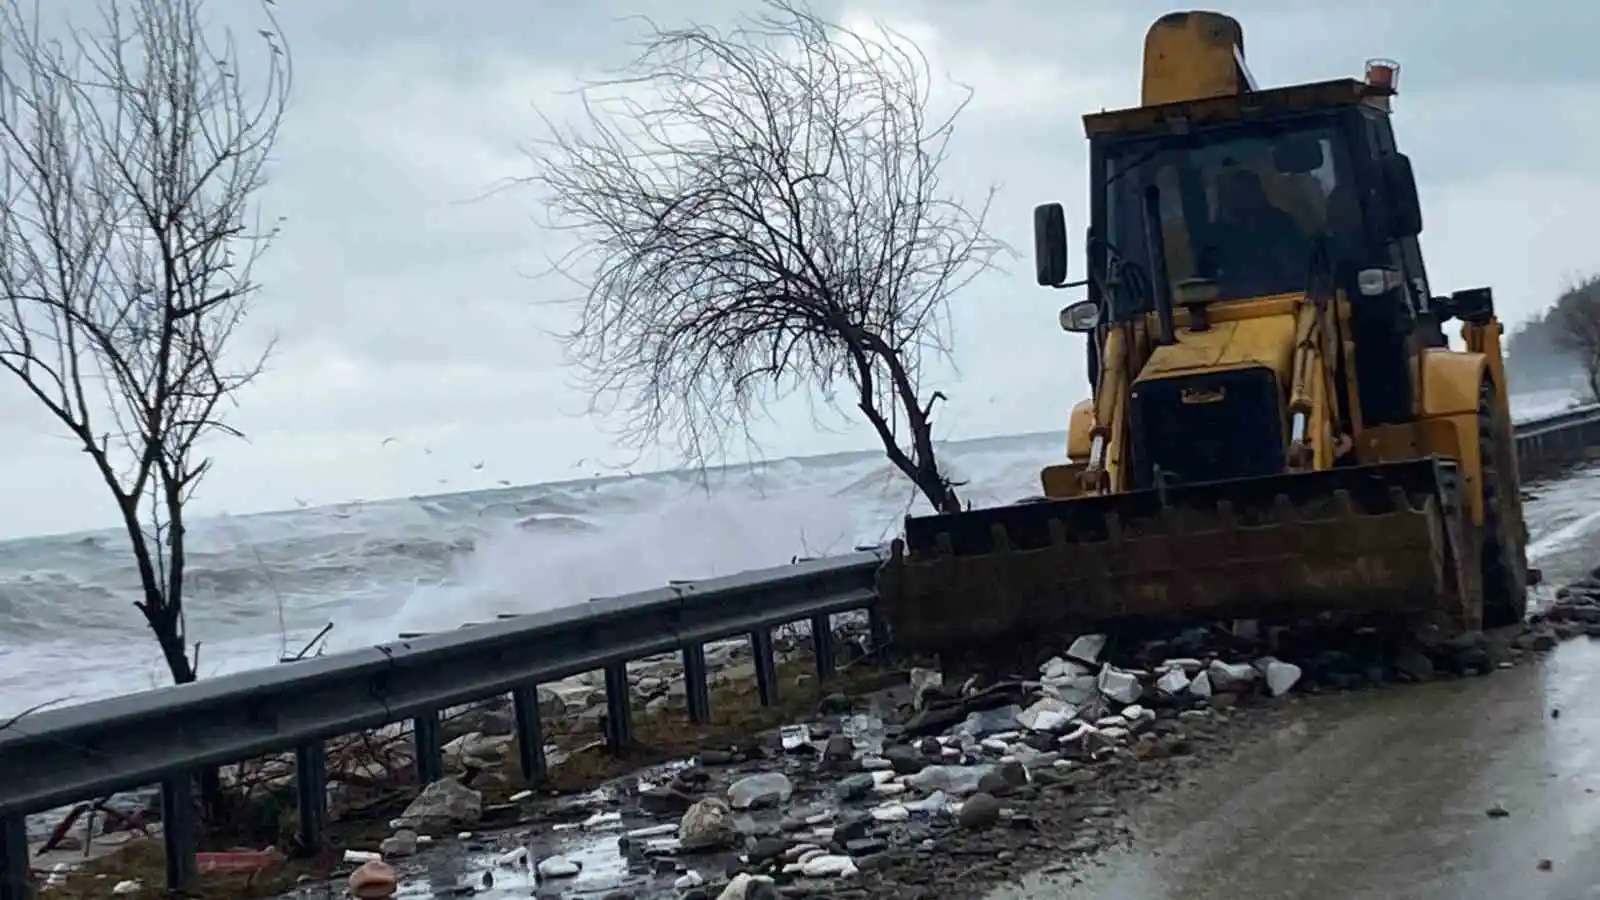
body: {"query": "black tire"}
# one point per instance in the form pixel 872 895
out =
pixel 1505 577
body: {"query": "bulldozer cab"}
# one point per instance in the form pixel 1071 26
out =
pixel 1261 195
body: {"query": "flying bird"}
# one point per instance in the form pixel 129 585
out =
pixel 477 467
pixel 387 441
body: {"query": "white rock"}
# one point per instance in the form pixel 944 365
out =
pixel 890 789
pixel 558 867
pixel 1228 676
pixel 1115 733
pixel 882 776
pixel 994 745
pixel 1077 734
pixel 876 764
pixel 891 812
pixel 520 796
pixel 1136 712
pixel 1087 648
pixel 739 887
pixel 809 855
pixel 1188 664
pixel 1074 690
pixel 688 880
pixel 936 802
pixel 602 820
pixel 1111 722
pixel 761 789
pixel 1201 685
pixel 1281 676
pixel 516 856
pixel 1123 687
pixel 828 866
pixel 131 886
pixel 957 780
pixel 1051 720
pixel 652 831
pixel 1173 682
pixel 361 856
pixel 1057 668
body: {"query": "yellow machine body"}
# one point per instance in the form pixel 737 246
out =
pixel 1317 447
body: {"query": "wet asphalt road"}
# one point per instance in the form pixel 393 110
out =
pixel 1384 796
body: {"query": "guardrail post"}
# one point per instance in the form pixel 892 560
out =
pixel 311 790
pixel 179 830
pixel 822 645
pixel 696 688
pixel 14 858
pixel 766 665
pixel 430 755
pixel 530 732
pixel 619 708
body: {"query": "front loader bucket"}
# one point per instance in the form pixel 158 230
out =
pixel 1383 538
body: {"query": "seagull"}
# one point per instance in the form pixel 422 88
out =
pixel 387 441
pixel 503 483
pixel 477 467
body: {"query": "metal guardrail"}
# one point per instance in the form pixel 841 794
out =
pixel 166 736
pixel 1549 443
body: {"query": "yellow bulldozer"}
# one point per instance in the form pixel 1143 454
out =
pixel 1279 427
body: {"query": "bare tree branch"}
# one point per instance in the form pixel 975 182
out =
pixel 1576 323
pixel 38 707
pixel 130 157
pixel 770 219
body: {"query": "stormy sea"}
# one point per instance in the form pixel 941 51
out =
pixel 265 586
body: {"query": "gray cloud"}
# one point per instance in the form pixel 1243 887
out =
pixel 405 298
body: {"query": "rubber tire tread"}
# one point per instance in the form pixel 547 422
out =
pixel 1505 593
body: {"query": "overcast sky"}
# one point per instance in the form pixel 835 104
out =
pixel 406 304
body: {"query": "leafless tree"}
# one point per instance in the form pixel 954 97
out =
pixel 131 154
pixel 1576 321
pixel 760 211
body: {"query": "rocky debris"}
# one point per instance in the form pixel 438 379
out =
pixel 763 789
pixel 708 825
pixel 373 879
pixel 1575 611
pixel 897 793
pixel 445 803
pixel 402 843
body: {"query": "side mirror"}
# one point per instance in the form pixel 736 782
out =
pixel 1474 306
pixel 1400 191
pixel 1050 244
pixel 1081 317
